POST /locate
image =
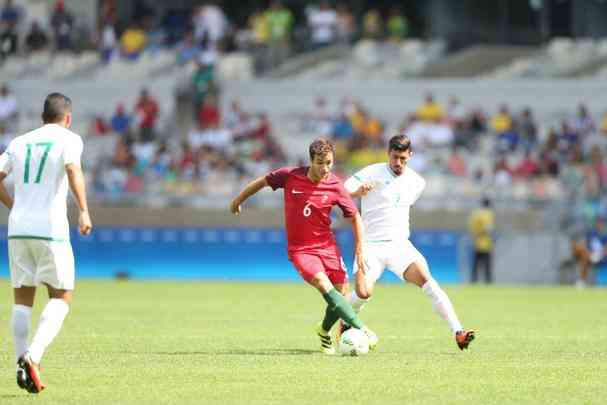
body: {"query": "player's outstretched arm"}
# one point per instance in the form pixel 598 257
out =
pixel 5 197
pixel 250 189
pixel 78 187
pixel 361 285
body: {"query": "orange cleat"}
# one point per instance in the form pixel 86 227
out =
pixel 33 374
pixel 463 338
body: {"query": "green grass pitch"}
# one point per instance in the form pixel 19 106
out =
pixel 233 343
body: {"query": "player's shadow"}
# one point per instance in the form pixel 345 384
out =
pixel 10 396
pixel 268 352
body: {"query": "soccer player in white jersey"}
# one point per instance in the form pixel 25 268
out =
pixel 42 163
pixel 387 191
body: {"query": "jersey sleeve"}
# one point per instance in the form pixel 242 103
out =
pixel 6 165
pixel 73 152
pixel 345 202
pixel 278 178
pixel 354 182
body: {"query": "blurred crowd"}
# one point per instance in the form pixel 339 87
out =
pixel 269 34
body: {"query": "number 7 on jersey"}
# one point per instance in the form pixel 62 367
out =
pixel 28 156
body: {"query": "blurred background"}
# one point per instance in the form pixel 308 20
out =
pixel 180 103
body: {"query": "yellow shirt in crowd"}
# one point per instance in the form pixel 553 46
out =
pixel 481 226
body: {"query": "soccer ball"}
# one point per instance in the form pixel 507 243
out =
pixel 353 342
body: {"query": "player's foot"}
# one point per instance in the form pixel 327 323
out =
pixel 326 343
pixel 373 339
pixel 341 328
pixel 463 338
pixel 22 381
pixel 33 374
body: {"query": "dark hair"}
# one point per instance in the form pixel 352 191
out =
pixel 320 147
pixel 399 143
pixel 56 106
pixel 486 202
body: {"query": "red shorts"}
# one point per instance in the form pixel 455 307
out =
pixel 309 264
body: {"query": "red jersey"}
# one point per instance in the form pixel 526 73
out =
pixel 308 208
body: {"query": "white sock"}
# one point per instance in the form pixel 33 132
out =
pixel 20 322
pixel 51 320
pixel 357 302
pixel 442 305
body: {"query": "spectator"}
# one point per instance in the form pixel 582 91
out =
pixel 528 167
pixel 503 126
pixel 456 164
pixel 121 121
pixel 8 107
pixel 279 20
pixel 187 51
pixel 583 123
pixel 209 21
pixel 430 111
pixel 36 39
pixel 108 42
pixel 209 112
pixel 146 111
pixel 9 18
pixel 132 42
pixel 589 251
pixel 456 112
pixel 481 225
pixel 62 23
pixel 203 83
pixel 98 126
pixel 346 24
pixel 372 25
pixel 323 25
pixel 398 27
pixel 567 138
pixel 527 129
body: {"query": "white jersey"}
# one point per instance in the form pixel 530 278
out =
pixel 37 162
pixel 385 209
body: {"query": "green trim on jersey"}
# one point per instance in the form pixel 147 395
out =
pixel 357 178
pixel 37 238
pixel 379 241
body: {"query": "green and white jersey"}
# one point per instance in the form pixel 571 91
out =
pixel 385 209
pixel 37 162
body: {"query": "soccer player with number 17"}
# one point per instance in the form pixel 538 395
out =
pixel 309 194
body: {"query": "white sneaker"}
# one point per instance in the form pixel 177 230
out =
pixel 373 339
pixel 580 284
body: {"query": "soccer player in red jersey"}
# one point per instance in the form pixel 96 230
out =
pixel 309 194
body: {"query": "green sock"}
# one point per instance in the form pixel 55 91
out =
pixel 330 318
pixel 339 305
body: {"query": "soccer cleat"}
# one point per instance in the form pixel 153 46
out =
pixel 373 339
pixel 22 380
pixel 326 343
pixel 463 338
pixel 34 384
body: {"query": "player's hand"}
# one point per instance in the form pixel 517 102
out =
pixel 364 189
pixel 84 223
pixel 235 207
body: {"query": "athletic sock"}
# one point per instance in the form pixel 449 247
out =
pixel 330 318
pixel 20 322
pixel 51 320
pixel 442 305
pixel 340 306
pixel 357 302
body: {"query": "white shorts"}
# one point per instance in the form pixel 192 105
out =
pixel 392 255
pixel 34 262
